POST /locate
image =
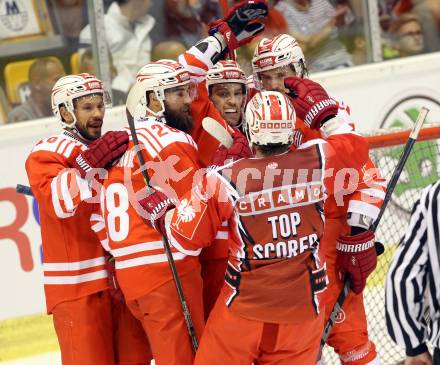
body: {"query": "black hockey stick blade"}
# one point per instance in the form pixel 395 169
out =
pixel 23 189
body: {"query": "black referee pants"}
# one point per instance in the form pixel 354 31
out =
pixel 436 360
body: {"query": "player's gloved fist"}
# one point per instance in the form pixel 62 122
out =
pixel 311 102
pixel 239 149
pixel 114 289
pixel 356 256
pixel 156 205
pixel 238 27
pixel 101 152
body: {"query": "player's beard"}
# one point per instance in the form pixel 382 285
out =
pixel 85 134
pixel 178 119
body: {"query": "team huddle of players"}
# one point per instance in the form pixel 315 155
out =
pixel 259 239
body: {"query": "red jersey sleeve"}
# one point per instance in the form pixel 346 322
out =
pixel 198 61
pixel 97 224
pixel 199 215
pixel 171 159
pixel 56 186
pixel 200 108
pixel 370 193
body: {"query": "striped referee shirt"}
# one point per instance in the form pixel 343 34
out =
pixel 413 280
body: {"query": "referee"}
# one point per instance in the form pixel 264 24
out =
pixel 413 283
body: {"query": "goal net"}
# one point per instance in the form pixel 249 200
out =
pixel 422 168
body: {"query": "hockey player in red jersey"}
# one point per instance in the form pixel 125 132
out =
pixel 160 101
pixel 202 61
pixel 275 274
pixel 275 60
pixel 60 172
pixel 226 83
pixel 239 26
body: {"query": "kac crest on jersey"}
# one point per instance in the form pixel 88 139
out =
pixel 189 217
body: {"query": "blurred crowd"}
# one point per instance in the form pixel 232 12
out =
pixel 333 34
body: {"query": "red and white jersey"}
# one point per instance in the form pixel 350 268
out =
pixel 369 192
pixel 172 162
pixel 274 208
pixel 368 196
pixel 73 259
pixel 366 201
pixel 198 64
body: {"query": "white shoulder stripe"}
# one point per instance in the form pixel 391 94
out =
pixel 68 150
pixel 60 213
pixel 66 191
pixel 147 145
pixel 151 138
pixel 312 142
pixel 59 144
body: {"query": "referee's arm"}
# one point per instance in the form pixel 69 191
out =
pixel 406 283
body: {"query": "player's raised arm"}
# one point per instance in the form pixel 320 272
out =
pixel 238 27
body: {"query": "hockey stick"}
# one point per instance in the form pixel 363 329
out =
pixel 216 130
pixel 390 188
pixel 23 189
pixel 131 102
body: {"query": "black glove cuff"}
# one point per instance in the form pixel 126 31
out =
pixel 327 118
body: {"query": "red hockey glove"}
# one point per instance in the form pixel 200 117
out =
pixel 114 289
pixel 311 102
pixel 356 256
pixel 236 26
pixel 101 152
pixel 156 205
pixel 240 149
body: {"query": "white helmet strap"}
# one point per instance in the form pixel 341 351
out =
pixel 160 97
pixel 70 108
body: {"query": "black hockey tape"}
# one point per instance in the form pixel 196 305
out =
pixel 23 189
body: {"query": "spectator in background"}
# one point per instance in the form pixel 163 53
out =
pixel 406 37
pixel 355 42
pixel 428 12
pixel 87 65
pixel 170 50
pixel 43 74
pixel 127 29
pixel 73 17
pixel 274 24
pixel 314 25
pixel 183 21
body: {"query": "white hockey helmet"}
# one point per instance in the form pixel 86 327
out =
pixel 279 51
pixel 224 72
pixel 68 88
pixel 270 119
pixel 157 77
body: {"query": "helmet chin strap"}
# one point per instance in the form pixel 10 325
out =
pixel 76 134
pixel 73 128
pixel 141 109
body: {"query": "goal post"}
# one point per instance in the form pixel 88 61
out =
pixel 422 168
